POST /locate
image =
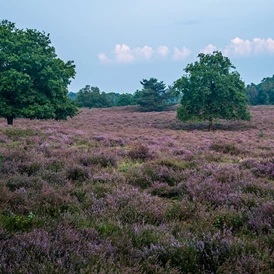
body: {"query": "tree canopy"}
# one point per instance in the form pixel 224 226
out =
pixel 125 100
pixel 153 96
pixel 212 89
pixel 33 80
pixel 261 94
pixel 91 97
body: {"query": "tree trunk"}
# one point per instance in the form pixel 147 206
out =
pixel 10 120
pixel 210 128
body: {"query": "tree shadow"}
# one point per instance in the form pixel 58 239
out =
pixel 225 126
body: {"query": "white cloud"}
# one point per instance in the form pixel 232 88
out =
pixel 257 46
pixel 104 59
pixel 145 52
pixel 263 45
pixel 208 49
pixel 237 48
pixel 123 54
pixel 181 54
pixel 162 51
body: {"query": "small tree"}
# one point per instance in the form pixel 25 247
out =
pixel 125 100
pixel 252 94
pixel 263 93
pixel 153 96
pixel 212 89
pixel 266 91
pixel 33 81
pixel 91 97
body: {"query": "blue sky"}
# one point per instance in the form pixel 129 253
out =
pixel 115 44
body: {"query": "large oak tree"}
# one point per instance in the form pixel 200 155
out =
pixel 33 80
pixel 212 89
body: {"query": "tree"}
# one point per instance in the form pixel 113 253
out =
pixel 263 93
pixel 113 98
pixel 91 97
pixel 72 95
pixel 153 96
pixel 212 89
pixel 252 94
pixel 33 81
pixel 266 91
pixel 125 99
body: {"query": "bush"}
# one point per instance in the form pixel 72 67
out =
pixel 227 148
pixel 13 223
pixel 140 153
pixel 77 173
pixel 101 159
pixel 23 181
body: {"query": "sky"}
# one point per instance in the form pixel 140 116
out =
pixel 117 43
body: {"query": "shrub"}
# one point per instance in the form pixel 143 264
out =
pixel 196 255
pixel 17 133
pixel 13 223
pixel 77 173
pixel 261 219
pixel 140 153
pixel 265 170
pixel 230 220
pixel 228 148
pixel 101 159
pixel 30 168
pixel 23 181
pixel 186 154
pixel 144 176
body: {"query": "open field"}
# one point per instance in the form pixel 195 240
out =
pixel 118 191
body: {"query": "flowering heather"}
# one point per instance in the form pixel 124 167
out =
pixel 119 191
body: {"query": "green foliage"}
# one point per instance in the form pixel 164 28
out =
pixel 252 94
pixel 72 95
pixel 91 97
pixel 229 220
pixel 113 98
pixel 229 148
pixel 77 173
pixel 261 94
pixel 153 96
pixel 17 133
pixel 261 134
pixel 125 100
pixel 14 223
pixel 211 89
pixel 33 81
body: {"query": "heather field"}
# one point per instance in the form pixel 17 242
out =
pixel 119 191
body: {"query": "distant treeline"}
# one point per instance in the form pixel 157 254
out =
pixel 92 97
pixel 154 96
pixel 261 94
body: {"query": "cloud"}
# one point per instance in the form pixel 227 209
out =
pixel 124 54
pixel 104 59
pixel 257 46
pixel 263 45
pixel 181 54
pixel 238 47
pixel 143 53
pixel 163 51
pixel 208 49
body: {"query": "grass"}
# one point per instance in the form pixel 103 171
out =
pixel 118 191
